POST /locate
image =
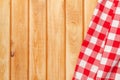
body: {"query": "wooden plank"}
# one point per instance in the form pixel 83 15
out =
pixel 37 40
pixel 19 40
pixel 74 34
pixel 4 39
pixel 89 7
pixel 56 40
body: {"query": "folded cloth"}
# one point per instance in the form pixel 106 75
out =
pixel 99 57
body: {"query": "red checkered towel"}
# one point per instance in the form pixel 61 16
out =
pixel 99 57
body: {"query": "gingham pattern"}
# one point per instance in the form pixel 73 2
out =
pixel 99 57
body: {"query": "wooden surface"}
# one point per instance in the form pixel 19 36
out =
pixel 4 39
pixel 41 39
pixel 19 40
pixel 74 36
pixel 37 38
pixel 56 40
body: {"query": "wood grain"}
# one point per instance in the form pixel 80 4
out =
pixel 4 39
pixel 37 60
pixel 19 40
pixel 55 40
pixel 89 7
pixel 74 36
pixel 41 39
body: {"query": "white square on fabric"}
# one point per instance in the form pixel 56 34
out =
pixel 94 68
pixel 78 75
pixel 108 48
pixel 118 51
pixel 90 24
pixel 114 63
pixel 103 61
pixel 93 40
pixel 103 16
pixel 108 4
pixel 82 63
pixel 108 74
pixel 115 23
pixel 89 78
pixel 117 76
pixel 111 36
pixel 103 43
pixel 88 51
pixel 98 56
pixel 95 11
pixel 119 64
pixel 99 74
pixel 98 28
pixel 100 1
pixel 117 10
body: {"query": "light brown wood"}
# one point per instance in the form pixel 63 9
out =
pixel 74 36
pixel 89 6
pixel 4 39
pixel 19 40
pixel 37 60
pixel 56 40
pixel 41 39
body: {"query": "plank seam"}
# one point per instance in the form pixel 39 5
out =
pixel 28 36
pixel 10 36
pixel 46 38
pixel 83 18
pixel 65 34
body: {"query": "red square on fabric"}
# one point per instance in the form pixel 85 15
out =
pixel 101 7
pixel 85 43
pixel 112 56
pixel 101 36
pixel 110 12
pixel 90 31
pixel 96 48
pixel 91 60
pixel 96 19
pixel 114 69
pixel 81 55
pixel 116 44
pixel 107 68
pixel 106 24
pixel 76 68
pixel 86 72
pixel 118 31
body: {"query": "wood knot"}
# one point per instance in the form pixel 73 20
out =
pixel 12 53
